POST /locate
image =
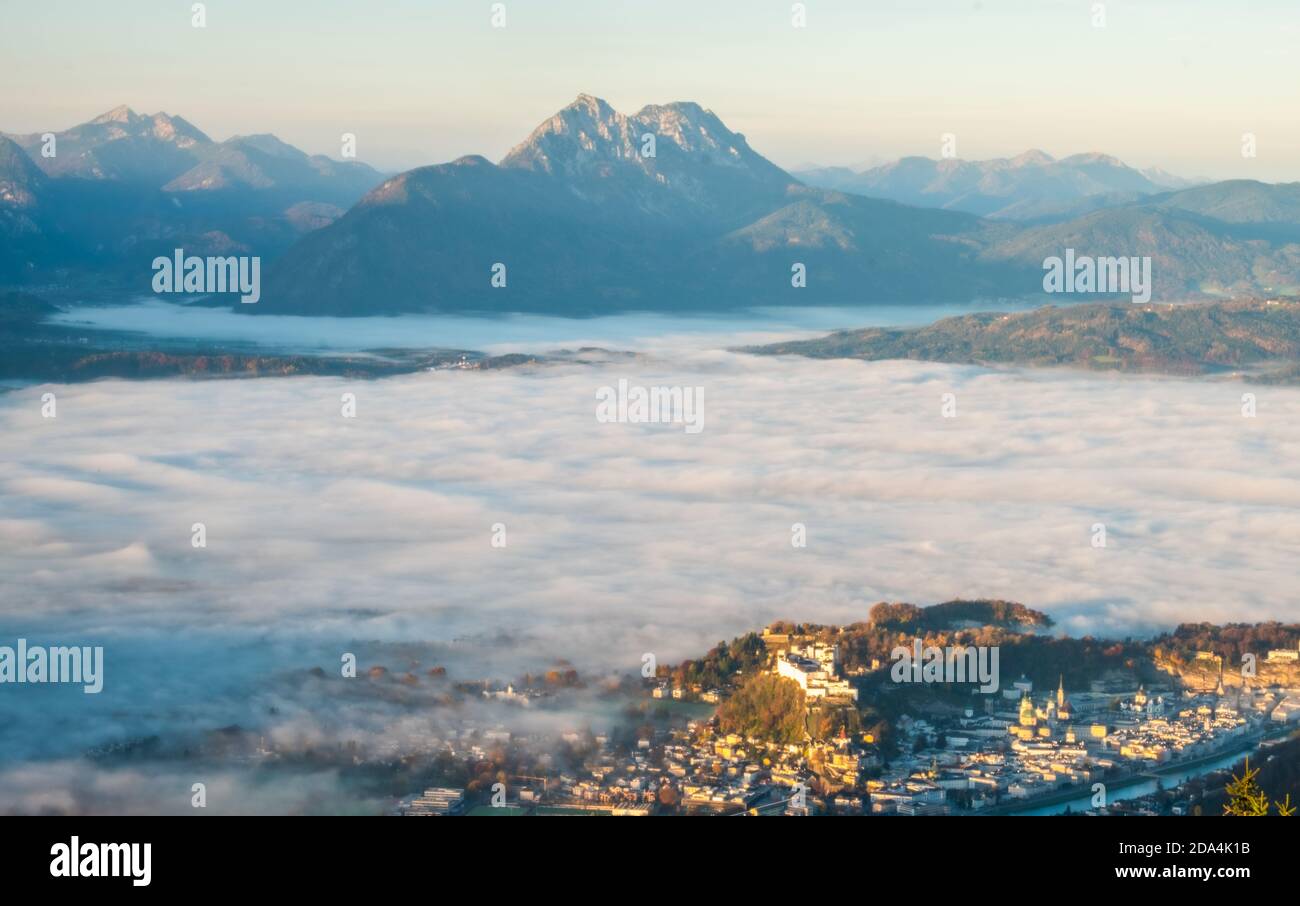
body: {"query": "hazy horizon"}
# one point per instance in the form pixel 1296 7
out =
pixel 855 86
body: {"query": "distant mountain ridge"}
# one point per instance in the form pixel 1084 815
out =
pixel 666 209
pixel 170 153
pixel 124 187
pixel 120 144
pixel 1231 239
pixel 1029 186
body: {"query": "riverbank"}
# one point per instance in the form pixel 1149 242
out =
pixel 1129 782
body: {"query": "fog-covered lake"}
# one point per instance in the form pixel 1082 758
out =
pixel 324 533
pixel 502 333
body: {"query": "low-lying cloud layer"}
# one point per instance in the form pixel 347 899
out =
pixel 502 333
pixel 622 538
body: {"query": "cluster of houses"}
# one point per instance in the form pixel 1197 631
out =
pixel 1044 745
pixel 1018 746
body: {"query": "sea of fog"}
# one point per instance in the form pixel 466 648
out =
pixel 497 334
pixel 328 534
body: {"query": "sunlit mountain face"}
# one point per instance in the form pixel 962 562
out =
pixel 599 212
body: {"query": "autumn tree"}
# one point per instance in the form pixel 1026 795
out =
pixel 766 707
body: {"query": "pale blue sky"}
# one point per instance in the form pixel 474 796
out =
pixel 1172 83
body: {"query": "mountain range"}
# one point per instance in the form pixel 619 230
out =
pixel 104 196
pixel 597 211
pixel 1029 187
pixel 586 221
pixel 165 152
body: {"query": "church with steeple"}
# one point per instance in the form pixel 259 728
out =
pixel 1063 711
pixel 1051 720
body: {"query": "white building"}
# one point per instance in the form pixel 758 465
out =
pixel 1288 710
pixel 437 801
pixel 816 669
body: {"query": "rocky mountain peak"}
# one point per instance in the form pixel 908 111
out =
pixel 119 114
pixel 1032 158
pixel 589 138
